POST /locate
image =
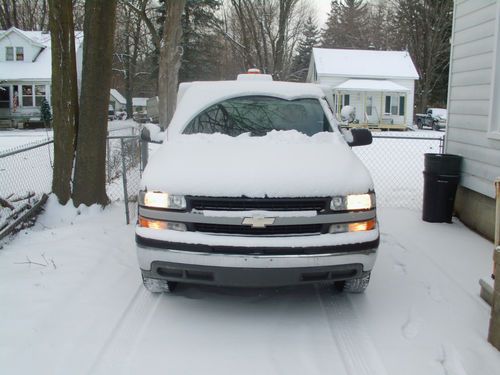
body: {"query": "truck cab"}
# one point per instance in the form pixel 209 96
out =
pixel 256 185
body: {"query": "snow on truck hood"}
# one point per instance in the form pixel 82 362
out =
pixel 280 164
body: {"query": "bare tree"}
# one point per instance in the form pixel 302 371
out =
pixel 268 32
pixel 130 41
pixel 99 26
pixel 170 61
pixel 24 14
pixel 64 95
pixel 424 26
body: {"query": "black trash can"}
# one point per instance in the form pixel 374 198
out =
pixel 441 177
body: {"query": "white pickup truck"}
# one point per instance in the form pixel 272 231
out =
pixel 256 185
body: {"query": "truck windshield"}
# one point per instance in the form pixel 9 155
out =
pixel 258 115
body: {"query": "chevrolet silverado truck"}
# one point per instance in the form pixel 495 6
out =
pixel 256 185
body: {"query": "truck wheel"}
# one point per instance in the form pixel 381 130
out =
pixel 419 124
pixel 158 285
pixel 357 285
pixel 435 126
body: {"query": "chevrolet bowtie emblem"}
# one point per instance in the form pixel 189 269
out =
pixel 258 222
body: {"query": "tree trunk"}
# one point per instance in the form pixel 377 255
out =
pixel 90 172
pixel 64 86
pixel 170 61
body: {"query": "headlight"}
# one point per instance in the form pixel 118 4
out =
pixel 353 202
pixel 162 200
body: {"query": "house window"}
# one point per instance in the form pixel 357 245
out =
pixel 393 105
pixel 402 105
pixel 9 53
pixel 347 99
pixel 27 91
pixel 4 97
pixel 39 94
pixel 19 54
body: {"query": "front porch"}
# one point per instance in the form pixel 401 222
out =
pixel 373 104
pixel 20 102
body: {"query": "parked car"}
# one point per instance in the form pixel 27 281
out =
pixel 256 185
pixel 435 118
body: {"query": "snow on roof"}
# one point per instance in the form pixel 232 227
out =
pixel 364 63
pixel 119 97
pixel 371 85
pixel 41 68
pixel 141 102
pixel 200 95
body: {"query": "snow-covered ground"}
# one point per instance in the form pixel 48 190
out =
pixel 79 308
pixel 12 138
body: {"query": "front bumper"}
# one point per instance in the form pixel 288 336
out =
pixel 209 265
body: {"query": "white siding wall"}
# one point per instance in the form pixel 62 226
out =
pixel 14 40
pixel 474 41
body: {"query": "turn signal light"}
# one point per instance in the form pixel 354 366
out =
pixel 362 226
pixel 152 224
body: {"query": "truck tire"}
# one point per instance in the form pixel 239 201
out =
pixel 358 284
pixel 435 126
pixel 419 123
pixel 158 285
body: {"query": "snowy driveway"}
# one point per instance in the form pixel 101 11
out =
pixel 81 309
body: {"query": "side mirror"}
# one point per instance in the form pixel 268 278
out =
pixel 360 137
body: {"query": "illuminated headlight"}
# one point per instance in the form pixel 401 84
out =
pixel 162 200
pixel 353 202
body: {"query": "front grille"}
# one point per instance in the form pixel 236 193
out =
pixel 247 230
pixel 266 204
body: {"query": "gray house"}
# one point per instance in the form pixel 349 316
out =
pixel 474 109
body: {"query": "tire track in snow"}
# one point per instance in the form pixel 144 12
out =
pixel 358 352
pixel 128 331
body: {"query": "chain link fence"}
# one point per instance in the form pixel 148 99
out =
pixel 395 162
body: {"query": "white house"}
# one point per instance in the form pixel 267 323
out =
pixel 117 100
pixel 474 109
pixel 378 84
pixel 25 73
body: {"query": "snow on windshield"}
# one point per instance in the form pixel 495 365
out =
pixel 259 115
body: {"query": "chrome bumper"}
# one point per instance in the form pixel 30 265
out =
pixel 147 255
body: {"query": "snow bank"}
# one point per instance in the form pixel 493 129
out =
pixel 280 164
pixel 155 132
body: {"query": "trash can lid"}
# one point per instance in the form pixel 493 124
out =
pixel 447 164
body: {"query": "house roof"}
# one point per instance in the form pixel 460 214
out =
pixel 41 68
pixel 139 102
pixel 364 63
pixel 371 85
pixel 119 97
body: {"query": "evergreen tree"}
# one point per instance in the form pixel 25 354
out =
pixel 46 113
pixel 310 39
pixel 346 25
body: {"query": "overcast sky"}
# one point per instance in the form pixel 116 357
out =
pixel 323 7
